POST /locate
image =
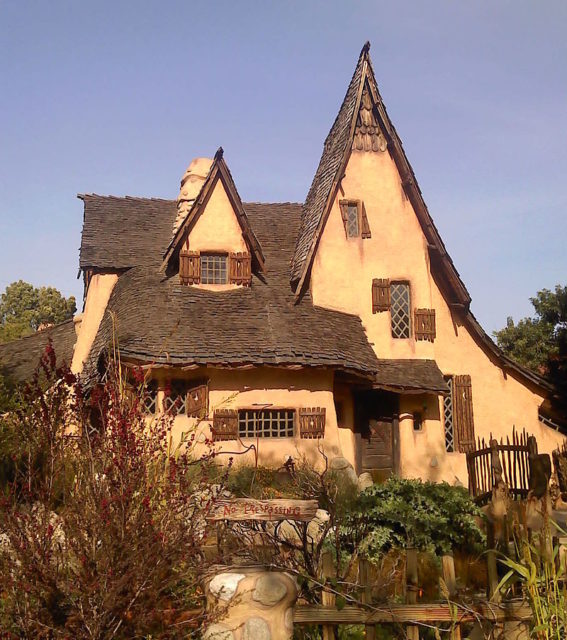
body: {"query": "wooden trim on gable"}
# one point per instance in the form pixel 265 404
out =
pixel 218 171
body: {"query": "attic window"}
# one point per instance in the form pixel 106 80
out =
pixel 354 218
pixel 213 268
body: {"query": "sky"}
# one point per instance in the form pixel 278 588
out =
pixel 116 97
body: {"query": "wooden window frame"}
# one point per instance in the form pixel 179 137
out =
pixel 409 314
pixel 270 409
pixel 215 254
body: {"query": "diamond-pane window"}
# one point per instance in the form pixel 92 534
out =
pixel 149 397
pixel 271 423
pixel 448 421
pixel 352 226
pixel 213 269
pixel 176 397
pixel 400 309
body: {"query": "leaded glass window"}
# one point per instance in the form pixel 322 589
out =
pixel 176 397
pixel 448 419
pixel 352 222
pixel 149 397
pixel 266 423
pixel 400 309
pixel 213 269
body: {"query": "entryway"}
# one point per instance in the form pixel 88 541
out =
pixel 376 416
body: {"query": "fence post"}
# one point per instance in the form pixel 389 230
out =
pixel 448 569
pixel 493 593
pixel 412 587
pixel 327 598
pixel 366 595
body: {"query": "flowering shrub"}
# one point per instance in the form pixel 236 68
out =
pixel 100 532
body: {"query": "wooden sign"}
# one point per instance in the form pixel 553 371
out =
pixel 269 510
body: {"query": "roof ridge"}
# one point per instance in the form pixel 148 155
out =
pixel 82 196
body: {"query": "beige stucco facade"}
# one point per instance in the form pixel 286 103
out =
pixel 342 274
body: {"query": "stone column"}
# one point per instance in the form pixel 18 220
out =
pixel 250 603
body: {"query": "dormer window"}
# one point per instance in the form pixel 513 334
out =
pixel 354 219
pixel 213 268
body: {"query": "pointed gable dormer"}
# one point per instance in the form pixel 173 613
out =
pixel 363 126
pixel 213 244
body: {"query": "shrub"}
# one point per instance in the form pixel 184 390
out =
pixel 101 528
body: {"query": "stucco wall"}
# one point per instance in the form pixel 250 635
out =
pixel 268 388
pixel 217 230
pixel 341 279
pixel 98 294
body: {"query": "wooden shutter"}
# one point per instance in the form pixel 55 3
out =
pixel 364 219
pixel 225 425
pixel 380 295
pixel 312 423
pixel 463 413
pixel 240 268
pixel 189 267
pixel 197 401
pixel 425 324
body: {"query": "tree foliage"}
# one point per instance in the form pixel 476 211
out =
pixel 24 308
pixel 535 342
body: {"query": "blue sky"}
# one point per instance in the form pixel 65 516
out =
pixel 117 97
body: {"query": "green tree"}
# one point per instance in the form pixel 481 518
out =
pixel 536 342
pixel 24 308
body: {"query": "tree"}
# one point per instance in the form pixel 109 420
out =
pixel 535 342
pixel 24 308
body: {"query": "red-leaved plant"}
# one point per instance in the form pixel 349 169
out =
pixel 102 514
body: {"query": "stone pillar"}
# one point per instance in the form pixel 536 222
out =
pixel 250 603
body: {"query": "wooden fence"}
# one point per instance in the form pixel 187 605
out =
pixel 409 615
pixel 505 461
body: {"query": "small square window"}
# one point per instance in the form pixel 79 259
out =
pixel 417 421
pixel 213 268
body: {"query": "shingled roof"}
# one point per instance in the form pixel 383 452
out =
pixel 336 152
pixel 119 233
pixel 20 358
pixel 161 321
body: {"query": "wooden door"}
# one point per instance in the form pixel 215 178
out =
pixel 378 426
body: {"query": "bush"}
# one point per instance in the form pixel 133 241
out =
pixel 101 530
pixel 404 513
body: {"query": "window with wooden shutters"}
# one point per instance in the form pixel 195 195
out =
pixel 463 413
pixel 225 425
pixel 196 401
pixel 380 295
pixel 448 417
pixel 400 309
pixel 189 267
pixel 240 268
pixel 425 324
pixel 312 423
pixel 266 423
pixel 458 415
pixel 213 268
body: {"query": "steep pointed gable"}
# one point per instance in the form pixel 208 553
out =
pixel 218 172
pixel 364 125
